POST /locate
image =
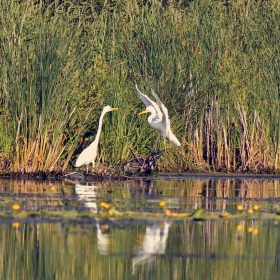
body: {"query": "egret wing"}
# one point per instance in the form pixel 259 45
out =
pixel 88 155
pixel 165 117
pixel 166 121
pixel 148 102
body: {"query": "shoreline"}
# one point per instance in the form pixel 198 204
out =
pixel 73 175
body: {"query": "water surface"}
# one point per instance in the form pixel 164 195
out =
pixel 159 248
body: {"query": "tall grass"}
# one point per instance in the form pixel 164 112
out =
pixel 215 67
pixel 43 75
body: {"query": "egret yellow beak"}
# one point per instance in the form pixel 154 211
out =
pixel 113 109
pixel 144 112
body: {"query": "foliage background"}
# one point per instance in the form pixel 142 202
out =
pixel 215 65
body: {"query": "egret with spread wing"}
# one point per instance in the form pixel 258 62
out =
pixel 88 155
pixel 158 118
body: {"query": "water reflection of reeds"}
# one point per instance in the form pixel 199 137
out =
pixel 220 195
pixel 185 250
pixel 145 194
pixel 34 195
pixel 100 249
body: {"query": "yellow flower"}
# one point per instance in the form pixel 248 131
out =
pixel 111 213
pixel 105 205
pixel 256 207
pixel 239 227
pixel 250 229
pixel 15 224
pixel 162 204
pixel 239 207
pixel 250 211
pixel 255 231
pixel 53 188
pixel 16 206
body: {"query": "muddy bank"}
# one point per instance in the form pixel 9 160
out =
pixel 73 175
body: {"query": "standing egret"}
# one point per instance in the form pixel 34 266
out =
pixel 88 155
pixel 158 118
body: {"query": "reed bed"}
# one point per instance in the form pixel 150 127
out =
pixel 215 67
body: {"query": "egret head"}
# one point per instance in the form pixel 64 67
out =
pixel 108 109
pixel 149 109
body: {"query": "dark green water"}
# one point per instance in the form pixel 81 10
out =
pixel 141 249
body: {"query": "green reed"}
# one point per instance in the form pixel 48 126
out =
pixel 214 66
pixel 43 78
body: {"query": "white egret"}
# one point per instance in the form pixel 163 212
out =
pixel 88 155
pixel 158 118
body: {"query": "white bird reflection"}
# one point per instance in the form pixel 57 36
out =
pixel 154 243
pixel 89 194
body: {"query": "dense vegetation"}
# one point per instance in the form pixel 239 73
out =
pixel 215 65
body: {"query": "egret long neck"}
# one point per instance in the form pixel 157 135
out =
pixel 99 126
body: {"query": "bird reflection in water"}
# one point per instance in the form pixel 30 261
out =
pixel 89 194
pixel 154 243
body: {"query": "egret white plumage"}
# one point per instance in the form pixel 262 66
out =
pixel 88 155
pixel 158 118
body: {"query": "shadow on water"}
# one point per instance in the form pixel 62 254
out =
pixel 140 249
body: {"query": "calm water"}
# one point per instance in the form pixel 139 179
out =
pixel 143 249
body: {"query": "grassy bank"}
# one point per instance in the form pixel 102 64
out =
pixel 215 67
